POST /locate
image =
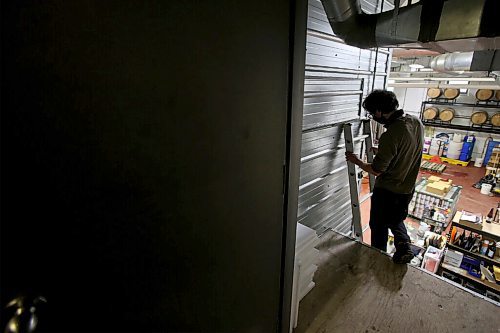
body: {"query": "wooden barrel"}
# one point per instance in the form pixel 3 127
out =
pixel 479 117
pixel 430 113
pixel 495 120
pixel 434 92
pixel 484 94
pixel 447 114
pixel 451 93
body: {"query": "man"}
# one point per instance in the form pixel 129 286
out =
pixel 396 166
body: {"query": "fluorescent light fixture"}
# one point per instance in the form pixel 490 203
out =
pixel 413 78
pixel 418 66
pixel 458 82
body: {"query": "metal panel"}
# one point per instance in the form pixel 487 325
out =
pixel 337 78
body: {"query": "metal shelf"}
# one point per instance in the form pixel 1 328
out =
pixel 485 128
pixel 440 224
pixel 477 128
pixel 452 195
pixel 475 255
pixel 496 104
pixel 463 273
pixel 490 233
pixel 451 198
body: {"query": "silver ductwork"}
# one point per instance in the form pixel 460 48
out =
pixel 342 10
pixel 467 61
pixel 426 22
pixel 452 62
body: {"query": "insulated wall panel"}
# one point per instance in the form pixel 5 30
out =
pixel 337 78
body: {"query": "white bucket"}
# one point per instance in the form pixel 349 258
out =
pixel 457 138
pixel 434 150
pixel 486 188
pixel 479 162
pixel 454 149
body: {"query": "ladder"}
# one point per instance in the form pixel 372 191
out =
pixel 354 180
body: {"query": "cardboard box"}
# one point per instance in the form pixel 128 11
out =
pixel 436 188
pixel 433 179
pixel 453 258
pixel 439 187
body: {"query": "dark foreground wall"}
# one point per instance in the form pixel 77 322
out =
pixel 143 152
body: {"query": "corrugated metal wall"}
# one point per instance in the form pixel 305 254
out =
pixel 337 77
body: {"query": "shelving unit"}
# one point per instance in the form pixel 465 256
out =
pixel 488 230
pixel 445 202
pixel 491 230
pixel 493 163
pixel 463 273
pixel 484 106
pixel 474 255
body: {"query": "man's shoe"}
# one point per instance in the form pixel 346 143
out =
pixel 402 258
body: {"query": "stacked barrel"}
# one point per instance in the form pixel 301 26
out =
pixel 447 113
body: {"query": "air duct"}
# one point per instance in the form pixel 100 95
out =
pixel 452 62
pixel 427 21
pixel 467 61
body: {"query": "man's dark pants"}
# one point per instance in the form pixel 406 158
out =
pixel 388 211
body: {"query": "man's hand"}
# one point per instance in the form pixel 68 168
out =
pixel 374 150
pixel 351 157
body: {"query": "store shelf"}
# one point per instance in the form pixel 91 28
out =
pixel 441 224
pixel 463 273
pixel 476 229
pixel 492 230
pixel 475 255
pixel 441 202
pixel 451 196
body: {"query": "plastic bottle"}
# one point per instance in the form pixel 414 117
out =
pixel 426 210
pixel 484 247
pixel 467 147
pixel 432 211
pixel 489 217
pixel 491 250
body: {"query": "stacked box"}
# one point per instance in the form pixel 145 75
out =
pixel 453 258
pixel 438 186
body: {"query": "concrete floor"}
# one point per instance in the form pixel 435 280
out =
pixel 359 289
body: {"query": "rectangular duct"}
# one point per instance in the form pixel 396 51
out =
pixel 460 19
pixel 432 23
pixel 406 29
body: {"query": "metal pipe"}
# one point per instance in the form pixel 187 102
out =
pixel 452 62
pixel 341 10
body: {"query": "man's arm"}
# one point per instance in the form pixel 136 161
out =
pixel 351 157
